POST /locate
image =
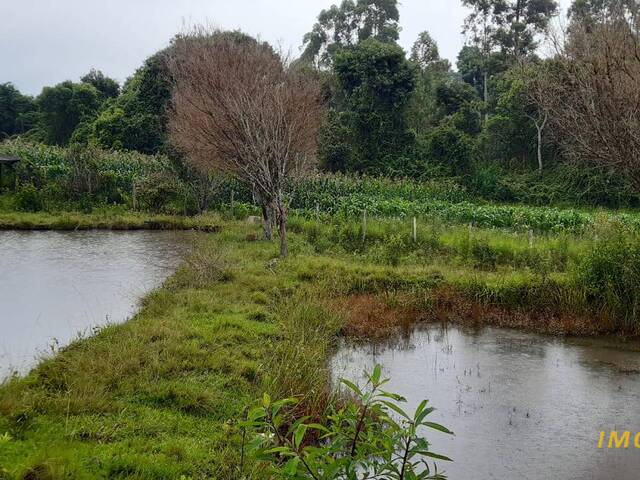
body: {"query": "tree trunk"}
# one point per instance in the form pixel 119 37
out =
pixel 540 127
pixel 539 150
pixel 282 226
pixel 486 95
pixel 266 221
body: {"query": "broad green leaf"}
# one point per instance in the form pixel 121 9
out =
pixel 437 426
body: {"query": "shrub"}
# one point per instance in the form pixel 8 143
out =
pixel 156 190
pixel 450 147
pixel 28 199
pixel 610 276
pixel 372 437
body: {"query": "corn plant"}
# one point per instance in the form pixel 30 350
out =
pixel 371 437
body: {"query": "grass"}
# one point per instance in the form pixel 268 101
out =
pixel 105 220
pixel 159 396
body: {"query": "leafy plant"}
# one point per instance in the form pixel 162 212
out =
pixel 371 437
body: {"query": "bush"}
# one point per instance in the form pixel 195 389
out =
pixel 450 147
pixel 610 276
pixel 84 174
pixel 28 199
pixel 370 436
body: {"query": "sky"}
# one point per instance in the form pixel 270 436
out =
pixel 44 42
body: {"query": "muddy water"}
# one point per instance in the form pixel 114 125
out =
pixel 522 406
pixel 57 286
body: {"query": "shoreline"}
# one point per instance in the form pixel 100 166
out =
pixel 70 221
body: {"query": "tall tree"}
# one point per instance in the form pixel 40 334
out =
pixel 593 90
pixel 108 87
pixel 137 119
pixel 511 25
pixel 346 25
pixel 241 109
pixel 426 55
pixel 16 111
pixel 377 82
pixel 433 70
pixel 589 13
pixel 63 107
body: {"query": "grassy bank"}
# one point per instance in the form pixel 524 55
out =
pixel 108 219
pixel 158 397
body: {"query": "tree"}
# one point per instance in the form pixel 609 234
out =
pixel 16 111
pixel 426 55
pixel 137 119
pixel 478 68
pixel 511 25
pixel 107 87
pixel 500 32
pixel 593 95
pixel 535 101
pixel 239 108
pixel 450 148
pixel 508 135
pixel 588 13
pixel 347 25
pixel 63 107
pixel 377 82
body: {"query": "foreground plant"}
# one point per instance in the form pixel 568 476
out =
pixel 371 437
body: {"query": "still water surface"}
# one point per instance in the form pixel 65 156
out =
pixel 522 406
pixel 55 286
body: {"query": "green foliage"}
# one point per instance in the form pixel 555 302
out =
pixel 16 111
pixel 451 95
pixel 560 184
pixel 370 437
pixel 108 87
pixel 63 107
pixel 353 21
pixel 610 274
pixel 156 190
pixel 28 199
pixel 75 173
pixel 136 120
pixel 510 25
pixel 451 148
pixel 509 135
pixel 352 194
pixel 376 81
pixel 335 145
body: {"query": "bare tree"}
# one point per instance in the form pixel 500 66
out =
pixel 536 100
pixel 240 108
pixel 594 92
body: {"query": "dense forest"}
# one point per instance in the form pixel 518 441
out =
pixel 505 123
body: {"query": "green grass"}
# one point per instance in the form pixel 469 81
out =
pixel 150 398
pixel 159 396
pixel 109 219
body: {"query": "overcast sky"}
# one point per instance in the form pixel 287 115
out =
pixel 43 42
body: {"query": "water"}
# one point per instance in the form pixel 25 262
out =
pixel 521 405
pixel 56 286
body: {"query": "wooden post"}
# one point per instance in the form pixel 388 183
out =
pixel 415 230
pixel 530 238
pixel 317 211
pixel 231 203
pixel 364 226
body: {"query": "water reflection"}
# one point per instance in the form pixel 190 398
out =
pixel 55 286
pixel 522 406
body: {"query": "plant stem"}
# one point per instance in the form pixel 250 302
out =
pixel 405 457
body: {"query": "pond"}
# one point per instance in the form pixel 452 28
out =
pixel 521 405
pixel 57 286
